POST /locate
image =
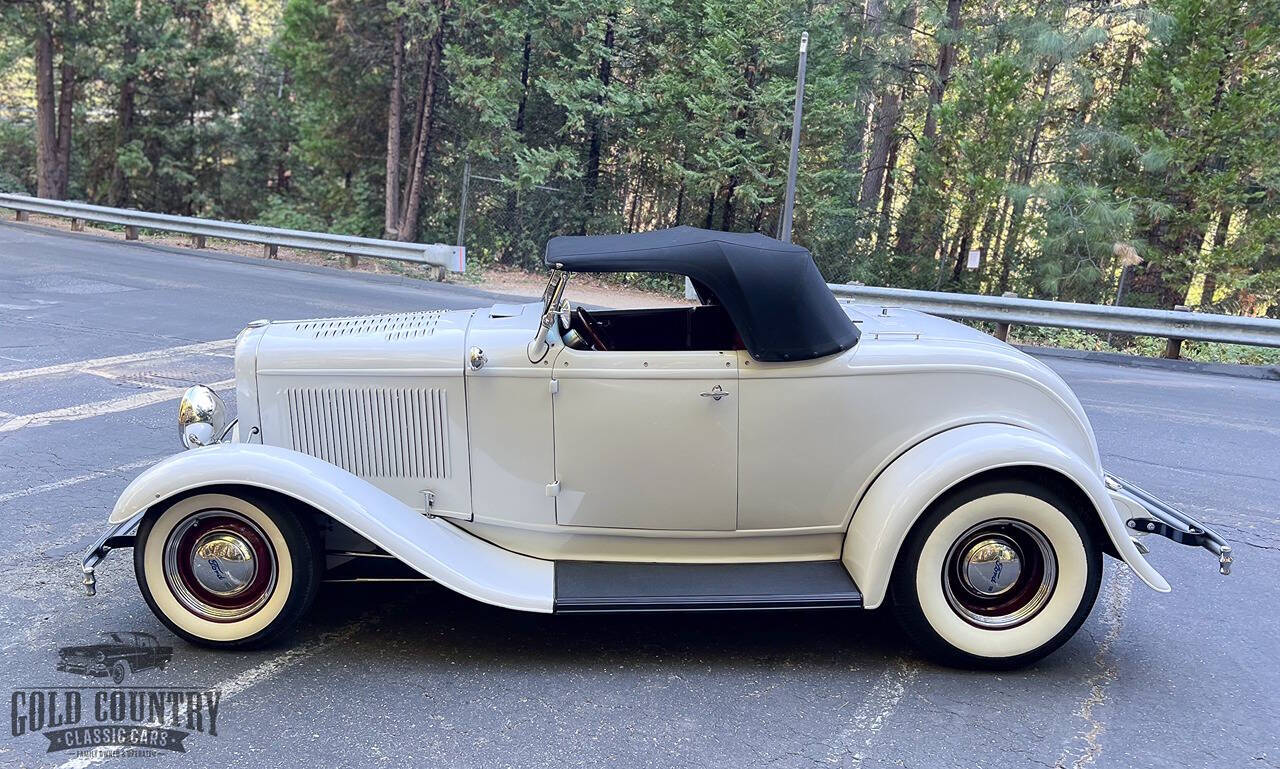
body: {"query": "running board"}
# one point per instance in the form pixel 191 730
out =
pixel 592 586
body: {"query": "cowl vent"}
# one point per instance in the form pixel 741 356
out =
pixel 405 325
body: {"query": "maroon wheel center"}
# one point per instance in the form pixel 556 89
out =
pixel 999 574
pixel 220 565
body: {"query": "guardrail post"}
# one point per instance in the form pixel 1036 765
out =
pixel 352 261
pixel 20 216
pixel 1002 329
pixel 197 241
pixel 1173 348
pixel 77 225
pixel 130 232
pixel 268 251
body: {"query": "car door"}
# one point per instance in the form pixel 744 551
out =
pixel 646 440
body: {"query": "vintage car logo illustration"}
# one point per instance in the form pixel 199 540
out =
pixel 100 721
pixel 118 655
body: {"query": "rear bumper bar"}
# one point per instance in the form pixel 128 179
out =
pixel 1170 523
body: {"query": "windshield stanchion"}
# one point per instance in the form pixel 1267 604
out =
pixel 550 305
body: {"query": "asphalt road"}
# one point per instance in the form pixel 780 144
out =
pixel 391 676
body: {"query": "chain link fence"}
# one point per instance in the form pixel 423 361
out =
pixel 505 223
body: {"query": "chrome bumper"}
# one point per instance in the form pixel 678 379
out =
pixel 1170 522
pixel 120 535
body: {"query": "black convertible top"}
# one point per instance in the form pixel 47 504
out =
pixel 772 290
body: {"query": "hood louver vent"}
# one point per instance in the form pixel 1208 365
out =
pixel 406 325
pixel 373 432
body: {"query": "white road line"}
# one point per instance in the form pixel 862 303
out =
pixel 75 479
pixel 80 365
pixel 1085 747
pixel 133 380
pixel 265 671
pixel 90 410
pixel 876 708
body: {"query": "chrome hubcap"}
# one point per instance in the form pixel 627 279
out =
pixel 223 563
pixel 1000 573
pixel 220 565
pixel 991 566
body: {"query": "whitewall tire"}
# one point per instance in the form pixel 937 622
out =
pixel 996 575
pixel 232 570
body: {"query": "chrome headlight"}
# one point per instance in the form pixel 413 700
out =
pixel 202 417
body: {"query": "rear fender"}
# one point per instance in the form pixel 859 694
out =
pixel 913 481
pixel 437 549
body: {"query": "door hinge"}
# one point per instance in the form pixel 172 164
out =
pixel 553 489
pixel 555 386
pixel 428 499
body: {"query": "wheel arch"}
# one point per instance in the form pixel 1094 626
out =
pixel 431 546
pixel 922 475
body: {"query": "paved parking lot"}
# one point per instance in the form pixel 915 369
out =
pixel 98 338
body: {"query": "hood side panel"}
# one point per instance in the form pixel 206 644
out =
pixel 380 396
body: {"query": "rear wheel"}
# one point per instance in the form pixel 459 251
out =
pixel 996 575
pixel 223 570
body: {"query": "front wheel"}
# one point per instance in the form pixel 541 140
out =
pixel 228 571
pixel 996 575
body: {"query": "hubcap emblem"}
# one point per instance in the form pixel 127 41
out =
pixel 223 563
pixel 991 567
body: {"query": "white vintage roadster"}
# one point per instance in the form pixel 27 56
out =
pixel 773 448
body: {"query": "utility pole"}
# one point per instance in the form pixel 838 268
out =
pixel 462 206
pixel 784 228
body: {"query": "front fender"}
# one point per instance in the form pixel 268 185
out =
pixel 431 546
pixel 906 488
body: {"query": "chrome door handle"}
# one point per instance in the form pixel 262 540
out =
pixel 716 393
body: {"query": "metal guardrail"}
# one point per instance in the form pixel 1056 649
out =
pixel 447 257
pixel 1005 311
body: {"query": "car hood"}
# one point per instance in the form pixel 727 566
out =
pixel 420 341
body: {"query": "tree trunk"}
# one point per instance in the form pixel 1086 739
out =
pixel 66 104
pixel 727 217
pixel 883 126
pixel 415 140
pixel 946 61
pixel 408 229
pixel 923 233
pixel 46 116
pixel 1219 242
pixel 886 199
pixel 1023 177
pixel 964 237
pixel 883 120
pixel 865 107
pixel 515 215
pixel 595 141
pixel 394 118
pixel 118 195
